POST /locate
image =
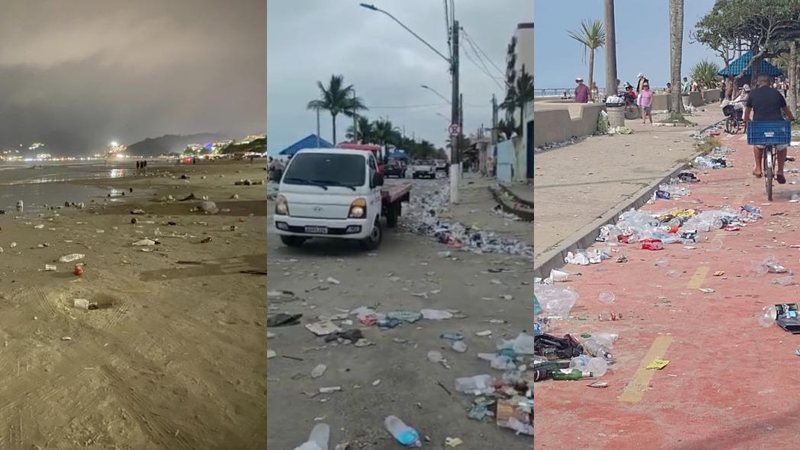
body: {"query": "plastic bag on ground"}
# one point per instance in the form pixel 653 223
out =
pixel 556 301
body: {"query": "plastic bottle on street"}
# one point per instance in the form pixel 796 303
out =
pixel 403 433
pixel 595 348
pixel 318 439
pixel 523 344
pixel 569 374
pixel 597 366
pixel 478 384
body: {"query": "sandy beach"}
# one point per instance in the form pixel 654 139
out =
pixel 173 355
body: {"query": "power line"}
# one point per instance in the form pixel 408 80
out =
pixel 482 69
pixel 469 38
pixel 485 68
pixel 408 106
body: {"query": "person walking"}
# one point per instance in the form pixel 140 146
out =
pixel 686 89
pixel 581 91
pixel 595 92
pixel 642 81
pixel 645 102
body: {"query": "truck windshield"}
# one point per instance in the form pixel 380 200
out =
pixel 326 169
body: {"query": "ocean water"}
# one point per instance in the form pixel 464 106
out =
pixel 39 184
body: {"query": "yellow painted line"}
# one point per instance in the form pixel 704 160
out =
pixel 636 388
pixel 698 278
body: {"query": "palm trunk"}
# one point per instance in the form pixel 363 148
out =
pixel 333 119
pixel 792 100
pixel 611 49
pixel 591 73
pixel 676 51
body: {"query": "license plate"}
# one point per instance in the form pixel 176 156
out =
pixel 317 230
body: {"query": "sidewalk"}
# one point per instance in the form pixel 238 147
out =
pixel 730 383
pixel 475 208
pixel 575 186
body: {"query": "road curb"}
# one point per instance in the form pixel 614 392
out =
pixel 586 236
pixel 515 196
pixel 525 215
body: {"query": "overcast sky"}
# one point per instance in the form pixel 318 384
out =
pixel 311 40
pixel 85 72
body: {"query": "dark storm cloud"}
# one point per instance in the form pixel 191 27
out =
pixel 310 40
pixel 84 72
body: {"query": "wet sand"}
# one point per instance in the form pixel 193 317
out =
pixel 174 355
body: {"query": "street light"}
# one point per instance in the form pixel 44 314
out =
pixel 424 86
pixel 455 120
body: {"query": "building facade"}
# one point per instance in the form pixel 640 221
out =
pixel 519 59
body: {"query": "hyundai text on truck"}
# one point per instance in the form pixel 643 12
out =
pixel 339 194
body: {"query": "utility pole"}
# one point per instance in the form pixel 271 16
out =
pixel 455 141
pixel 611 49
pixel 355 119
pixel 494 134
pixel 317 127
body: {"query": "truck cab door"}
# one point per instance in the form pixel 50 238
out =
pixel 374 201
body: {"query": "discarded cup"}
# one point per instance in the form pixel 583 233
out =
pixel 767 316
pixel 459 346
pixel 318 439
pixel 558 275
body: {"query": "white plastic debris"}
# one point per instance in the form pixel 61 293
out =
pixel 71 257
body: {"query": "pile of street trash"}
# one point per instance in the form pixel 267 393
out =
pixel 423 216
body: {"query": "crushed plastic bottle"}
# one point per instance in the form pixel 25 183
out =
pixel 475 385
pixel 594 348
pixel 767 316
pixel 606 298
pixel 404 434
pixel 523 344
pixel 318 439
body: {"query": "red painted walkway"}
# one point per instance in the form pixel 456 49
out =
pixel 730 384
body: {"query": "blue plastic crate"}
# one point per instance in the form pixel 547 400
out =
pixel 769 133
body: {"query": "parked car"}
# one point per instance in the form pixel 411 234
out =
pixel 395 168
pixel 423 169
pixel 441 166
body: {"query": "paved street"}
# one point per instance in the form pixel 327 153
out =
pixel 696 306
pixel 577 184
pixel 409 272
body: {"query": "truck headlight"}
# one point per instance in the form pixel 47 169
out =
pixel 358 209
pixel 281 206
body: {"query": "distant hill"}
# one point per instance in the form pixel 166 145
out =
pixel 255 146
pixel 171 143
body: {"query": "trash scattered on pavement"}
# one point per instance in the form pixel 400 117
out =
pixel 322 327
pixel 70 258
pixel 318 439
pixel 658 364
pixel 282 319
pixel 404 434
pixel 318 371
pixel 271 354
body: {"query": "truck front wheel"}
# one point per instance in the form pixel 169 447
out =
pixel 373 241
pixel 292 241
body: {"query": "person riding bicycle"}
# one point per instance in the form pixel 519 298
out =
pixel 767 105
pixel 736 105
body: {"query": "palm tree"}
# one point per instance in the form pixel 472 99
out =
pixel 365 131
pixel 519 96
pixel 506 127
pixel 591 36
pixel 337 99
pixel 705 72
pixel 611 49
pixel 386 133
pixel 676 51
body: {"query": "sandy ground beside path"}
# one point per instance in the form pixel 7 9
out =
pixel 393 376
pixel 173 358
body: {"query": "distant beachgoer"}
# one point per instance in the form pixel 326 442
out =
pixel 686 89
pixel 642 81
pixel 722 90
pixel 645 102
pixel 581 91
pixel 595 92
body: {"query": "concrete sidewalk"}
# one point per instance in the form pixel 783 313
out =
pixel 575 187
pixel 729 383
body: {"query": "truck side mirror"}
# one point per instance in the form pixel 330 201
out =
pixel 377 179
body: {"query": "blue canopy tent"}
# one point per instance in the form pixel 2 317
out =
pixel 398 154
pixel 737 67
pixel 309 141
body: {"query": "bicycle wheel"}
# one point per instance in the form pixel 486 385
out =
pixel 769 173
pixel 729 126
